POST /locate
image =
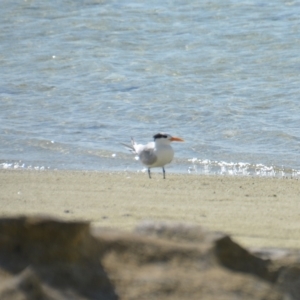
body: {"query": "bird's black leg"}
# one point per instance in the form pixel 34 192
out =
pixel 149 173
pixel 164 172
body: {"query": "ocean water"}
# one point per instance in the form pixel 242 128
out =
pixel 79 77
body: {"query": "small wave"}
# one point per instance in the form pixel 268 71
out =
pixel 206 166
pixel 21 166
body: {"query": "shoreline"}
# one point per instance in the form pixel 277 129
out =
pixel 256 211
pixel 186 166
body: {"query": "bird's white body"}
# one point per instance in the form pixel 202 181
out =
pixel 155 154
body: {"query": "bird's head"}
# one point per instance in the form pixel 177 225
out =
pixel 166 138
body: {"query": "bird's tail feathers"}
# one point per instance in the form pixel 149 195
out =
pixel 130 147
pixel 133 143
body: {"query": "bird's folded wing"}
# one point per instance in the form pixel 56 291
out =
pixel 147 155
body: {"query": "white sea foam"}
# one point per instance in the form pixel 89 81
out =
pixel 207 166
pixel 21 166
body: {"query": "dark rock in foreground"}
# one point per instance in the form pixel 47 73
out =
pixel 43 258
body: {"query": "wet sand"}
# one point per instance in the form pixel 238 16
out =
pixel 256 212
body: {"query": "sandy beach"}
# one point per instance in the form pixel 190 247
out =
pixel 256 212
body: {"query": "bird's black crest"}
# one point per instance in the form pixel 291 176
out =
pixel 159 136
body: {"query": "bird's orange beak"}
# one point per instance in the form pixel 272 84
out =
pixel 176 139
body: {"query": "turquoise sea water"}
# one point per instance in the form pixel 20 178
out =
pixel 79 77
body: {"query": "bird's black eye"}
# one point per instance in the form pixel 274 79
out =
pixel 159 136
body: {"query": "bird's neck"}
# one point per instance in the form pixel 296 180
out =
pixel 160 143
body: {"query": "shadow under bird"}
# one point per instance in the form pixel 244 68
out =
pixel 155 154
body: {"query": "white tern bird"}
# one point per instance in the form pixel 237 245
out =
pixel 155 154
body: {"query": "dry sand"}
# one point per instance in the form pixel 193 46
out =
pixel 256 212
